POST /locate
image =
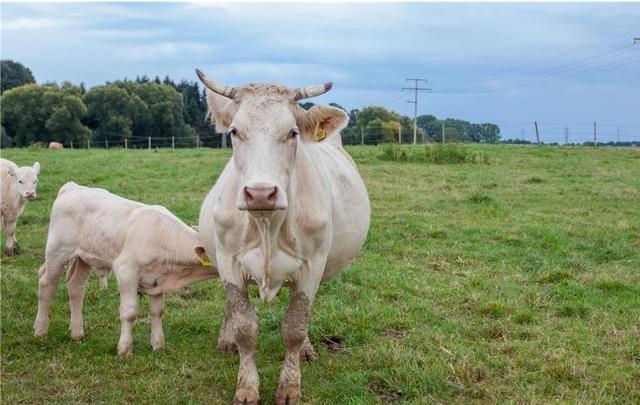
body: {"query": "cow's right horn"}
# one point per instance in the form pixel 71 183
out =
pixel 312 91
pixel 218 88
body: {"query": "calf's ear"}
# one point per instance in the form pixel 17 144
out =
pixel 201 254
pixel 36 167
pixel 196 228
pixel 328 119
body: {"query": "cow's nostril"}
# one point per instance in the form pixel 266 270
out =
pixel 247 194
pixel 272 196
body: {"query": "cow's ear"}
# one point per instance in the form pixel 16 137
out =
pixel 221 110
pixel 11 172
pixel 36 167
pixel 321 117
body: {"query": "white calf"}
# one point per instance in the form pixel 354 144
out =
pixel 18 185
pixel 148 248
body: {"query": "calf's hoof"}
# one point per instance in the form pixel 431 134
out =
pixel 125 350
pixel 157 344
pixel 306 351
pixel 12 250
pixel 246 396
pixel 227 346
pixel 77 336
pixel 40 329
pixel 288 395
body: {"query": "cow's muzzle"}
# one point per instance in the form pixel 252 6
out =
pixel 261 197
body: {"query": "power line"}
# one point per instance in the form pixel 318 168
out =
pixel 415 89
pixel 558 56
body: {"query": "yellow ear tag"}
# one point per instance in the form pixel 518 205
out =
pixel 204 261
pixel 320 134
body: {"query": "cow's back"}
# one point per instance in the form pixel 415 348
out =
pixel 91 220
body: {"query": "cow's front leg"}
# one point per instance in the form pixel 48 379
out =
pixel 241 319
pixel 11 247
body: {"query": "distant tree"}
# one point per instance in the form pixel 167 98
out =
pixel 42 113
pixel 306 105
pixel 111 112
pixel 14 74
pixel 5 141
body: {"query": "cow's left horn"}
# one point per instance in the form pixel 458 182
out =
pixel 312 91
pixel 218 88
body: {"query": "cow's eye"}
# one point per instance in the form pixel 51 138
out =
pixel 20 181
pixel 233 131
pixel 293 133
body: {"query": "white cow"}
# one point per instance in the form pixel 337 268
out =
pixel 148 248
pixel 18 186
pixel 290 208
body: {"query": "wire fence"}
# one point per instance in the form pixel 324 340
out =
pixel 526 132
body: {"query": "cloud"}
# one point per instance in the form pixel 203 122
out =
pixel 159 51
pixel 32 23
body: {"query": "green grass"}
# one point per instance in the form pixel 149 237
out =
pixel 516 280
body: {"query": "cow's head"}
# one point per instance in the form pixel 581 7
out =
pixel 26 179
pixel 266 127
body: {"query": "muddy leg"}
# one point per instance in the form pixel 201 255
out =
pixel 242 320
pixel 294 334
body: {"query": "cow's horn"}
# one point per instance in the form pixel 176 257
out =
pixel 312 91
pixel 218 88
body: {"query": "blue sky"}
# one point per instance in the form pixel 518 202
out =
pixel 505 63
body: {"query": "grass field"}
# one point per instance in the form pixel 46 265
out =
pixel 512 280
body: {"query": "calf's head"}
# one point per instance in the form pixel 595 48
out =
pixel 267 127
pixel 26 179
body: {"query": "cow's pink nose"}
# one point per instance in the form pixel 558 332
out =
pixel 261 196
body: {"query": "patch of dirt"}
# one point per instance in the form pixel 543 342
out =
pixel 384 393
pixel 332 343
pixel 395 334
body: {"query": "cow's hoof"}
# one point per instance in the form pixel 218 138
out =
pixel 246 396
pixel 12 250
pixel 288 395
pixel 306 352
pixel 227 346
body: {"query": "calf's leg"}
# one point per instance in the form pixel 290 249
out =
pixel 156 309
pixel 11 246
pixel 49 277
pixel 128 287
pixel 77 277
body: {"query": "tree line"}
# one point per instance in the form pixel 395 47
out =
pixel 168 111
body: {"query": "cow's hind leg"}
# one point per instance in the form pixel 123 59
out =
pixel 49 277
pixel 77 277
pixel 226 343
pixel 156 309
pixel 307 353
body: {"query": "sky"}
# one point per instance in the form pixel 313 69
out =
pixel 564 65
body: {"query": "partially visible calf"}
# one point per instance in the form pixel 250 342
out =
pixel 147 247
pixel 18 185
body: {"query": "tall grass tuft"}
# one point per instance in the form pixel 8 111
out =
pixel 432 153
